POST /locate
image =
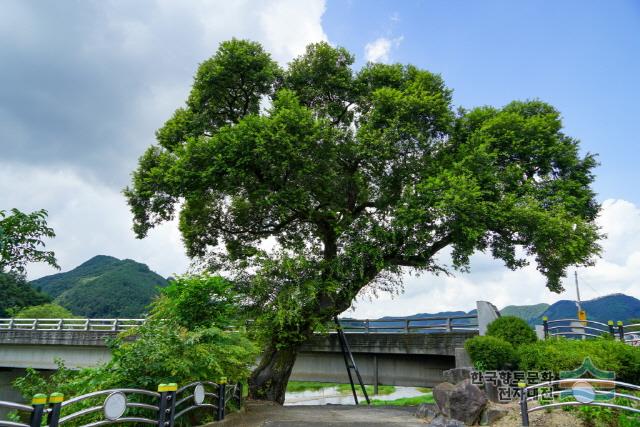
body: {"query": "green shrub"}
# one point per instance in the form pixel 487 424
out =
pixel 561 354
pixel 512 329
pixel 491 352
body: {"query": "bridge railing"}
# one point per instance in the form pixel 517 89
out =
pixel 413 325
pixel 116 325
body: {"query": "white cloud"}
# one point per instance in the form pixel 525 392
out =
pixel 617 271
pixel 89 219
pixel 379 49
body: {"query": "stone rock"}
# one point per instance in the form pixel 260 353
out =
pixel 427 410
pixel 456 375
pixel 492 414
pixel 463 401
pixel 492 392
pixel 442 421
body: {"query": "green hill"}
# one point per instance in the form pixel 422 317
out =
pixel 104 286
pixel 530 313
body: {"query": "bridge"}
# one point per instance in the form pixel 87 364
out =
pixel 402 352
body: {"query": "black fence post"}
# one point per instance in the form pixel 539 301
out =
pixel 167 404
pixel 545 325
pixel 524 408
pixel 55 403
pixel 621 330
pixel 38 401
pixel 221 396
pixel 611 329
pixel 239 390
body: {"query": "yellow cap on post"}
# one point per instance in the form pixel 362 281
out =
pixel 168 387
pixel 545 318
pixel 56 398
pixel 223 380
pixel 522 385
pixel 39 399
pixel 619 322
pixel 610 323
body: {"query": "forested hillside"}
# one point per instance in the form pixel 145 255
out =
pixel 104 286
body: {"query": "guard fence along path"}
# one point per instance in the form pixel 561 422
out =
pixel 116 325
pixel 164 407
pixel 583 329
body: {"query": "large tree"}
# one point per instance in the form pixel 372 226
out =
pixel 314 182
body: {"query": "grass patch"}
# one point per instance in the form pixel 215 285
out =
pixel 295 386
pixel 405 401
pixel 424 389
pixel 382 389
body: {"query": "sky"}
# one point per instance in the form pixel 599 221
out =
pixel 84 85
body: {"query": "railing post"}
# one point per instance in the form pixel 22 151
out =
pixel 86 324
pixel 524 408
pixel 239 395
pixel 621 330
pixel 11 323
pixel 406 326
pixel 611 329
pixel 34 325
pixel 38 401
pixel 167 405
pixel 55 404
pixel 115 325
pixel 448 324
pixel 545 325
pixel 221 396
pixel 366 326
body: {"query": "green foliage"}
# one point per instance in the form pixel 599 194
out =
pixel 21 240
pixel 44 311
pixel 405 401
pixel 491 352
pixel 561 354
pixel 104 287
pixel 16 294
pixel 165 350
pixel 512 329
pixel 299 386
pixel 355 175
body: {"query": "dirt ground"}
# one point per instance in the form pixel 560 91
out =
pixel 267 414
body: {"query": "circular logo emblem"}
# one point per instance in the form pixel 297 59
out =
pixel 198 394
pixel 114 405
pixel 583 392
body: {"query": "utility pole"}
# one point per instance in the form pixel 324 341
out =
pixel 582 315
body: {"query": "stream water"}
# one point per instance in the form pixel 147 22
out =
pixel 331 395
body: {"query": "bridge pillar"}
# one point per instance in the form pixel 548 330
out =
pixel 487 313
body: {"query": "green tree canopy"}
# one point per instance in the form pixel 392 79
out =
pixel 21 240
pixel 44 311
pixel 349 176
pixel 16 293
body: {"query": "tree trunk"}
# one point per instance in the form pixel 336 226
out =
pixel 269 380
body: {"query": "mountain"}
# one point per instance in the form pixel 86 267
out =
pixel 530 313
pixel 611 307
pixel 104 286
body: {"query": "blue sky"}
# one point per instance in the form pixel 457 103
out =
pixel 581 56
pixel 84 85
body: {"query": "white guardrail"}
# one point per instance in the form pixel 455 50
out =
pixel 115 325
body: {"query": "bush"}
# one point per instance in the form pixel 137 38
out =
pixel 512 329
pixel 44 311
pixel 561 354
pixel 491 352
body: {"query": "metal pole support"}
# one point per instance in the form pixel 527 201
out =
pixel 38 401
pixel 55 403
pixel 221 396
pixel 524 408
pixel 620 330
pixel 545 325
pixel 167 405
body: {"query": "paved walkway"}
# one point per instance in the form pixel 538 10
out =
pixel 265 414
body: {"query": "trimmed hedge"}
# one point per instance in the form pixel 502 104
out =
pixel 561 354
pixel 491 352
pixel 512 329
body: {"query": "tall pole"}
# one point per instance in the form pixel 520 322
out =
pixel 575 275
